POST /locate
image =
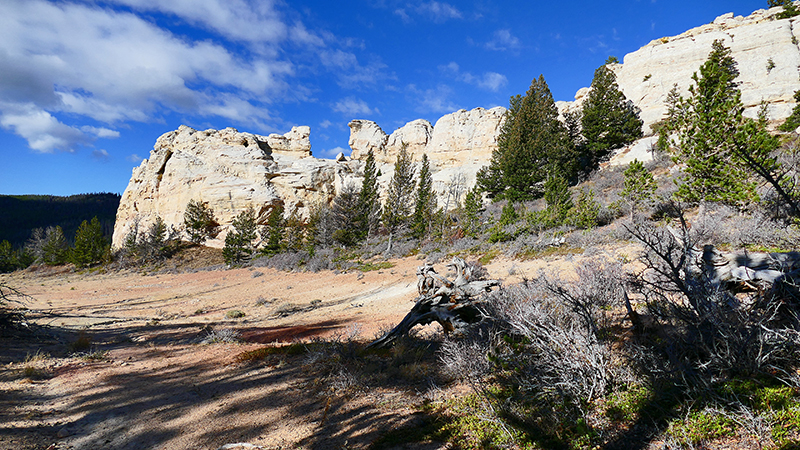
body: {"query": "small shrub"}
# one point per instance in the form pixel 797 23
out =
pixel 234 314
pixel 82 343
pixel 224 336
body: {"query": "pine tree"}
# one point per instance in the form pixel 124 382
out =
pixel 639 186
pixel 718 145
pixel 239 241
pixel 608 120
pixel 425 201
pixel 471 212
pixel 90 244
pixel 272 233
pixel 793 121
pixel 199 222
pixel 344 216
pixel 55 248
pixel 368 205
pixel 558 199
pixel 399 202
pixel 531 144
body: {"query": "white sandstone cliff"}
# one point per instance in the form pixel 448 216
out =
pixel 231 171
pixel 765 48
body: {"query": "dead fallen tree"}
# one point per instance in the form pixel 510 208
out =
pixel 453 304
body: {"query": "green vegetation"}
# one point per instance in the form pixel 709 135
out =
pixel 199 222
pixel 532 144
pixel 608 120
pixel 239 241
pixel 91 246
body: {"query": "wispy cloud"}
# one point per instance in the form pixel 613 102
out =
pixel 503 40
pixel 437 12
pixel 490 81
pixel 435 100
pixel 101 155
pixel 352 107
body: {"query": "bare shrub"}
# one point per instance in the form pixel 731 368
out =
pixel 224 336
pixel 286 261
pixel 322 259
pixel 707 332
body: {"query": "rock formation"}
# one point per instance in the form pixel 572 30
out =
pixel 231 171
pixel 765 48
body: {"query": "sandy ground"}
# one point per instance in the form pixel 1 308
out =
pixel 157 387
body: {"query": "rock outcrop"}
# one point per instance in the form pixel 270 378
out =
pixel 765 48
pixel 231 171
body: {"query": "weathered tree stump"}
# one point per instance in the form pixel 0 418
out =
pixel 451 303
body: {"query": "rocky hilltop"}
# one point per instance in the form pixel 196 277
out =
pixel 232 170
pixel 765 48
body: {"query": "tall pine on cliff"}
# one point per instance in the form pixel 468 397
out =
pixel 532 144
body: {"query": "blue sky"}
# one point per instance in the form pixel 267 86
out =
pixel 86 87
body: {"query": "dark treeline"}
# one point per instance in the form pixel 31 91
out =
pixel 19 214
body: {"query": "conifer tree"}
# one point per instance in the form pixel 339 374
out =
pixel 425 201
pixel 471 212
pixel 793 121
pixel 399 201
pixel 272 233
pixel 344 216
pixel 239 241
pixel 199 222
pixel 639 186
pixel 368 205
pixel 532 143
pixel 720 147
pixel 608 120
pixel 55 247
pixel 90 244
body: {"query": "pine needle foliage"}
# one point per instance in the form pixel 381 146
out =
pixel 399 203
pixel 90 244
pixel 724 153
pixel 425 201
pixel 608 119
pixel 199 222
pixel 532 144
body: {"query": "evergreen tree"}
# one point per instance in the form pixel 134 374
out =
pixel 55 248
pixel 344 216
pixel 272 233
pixel 425 202
pixel 558 199
pixel 586 212
pixel 471 212
pixel 608 120
pixel 90 244
pixel 239 241
pixel 793 121
pixel 368 199
pixel 155 244
pixel 294 232
pixel 399 201
pixel 718 145
pixel 639 186
pixel 531 144
pixel 789 10
pixel 199 222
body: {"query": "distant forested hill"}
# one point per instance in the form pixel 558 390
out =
pixel 19 214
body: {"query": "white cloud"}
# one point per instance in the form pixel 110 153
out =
pixel 354 107
pixel 438 11
pixel 490 81
pixel 113 66
pixel 436 100
pixel 255 21
pixel 100 132
pixel 325 124
pixel 44 133
pixel 134 158
pixel 503 40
